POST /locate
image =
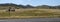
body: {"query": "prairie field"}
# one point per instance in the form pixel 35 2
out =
pixel 26 13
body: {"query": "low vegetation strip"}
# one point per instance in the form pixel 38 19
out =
pixel 34 13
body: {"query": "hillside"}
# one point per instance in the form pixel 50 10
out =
pixel 28 11
pixel 7 5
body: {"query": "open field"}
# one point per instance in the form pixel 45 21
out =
pixel 31 13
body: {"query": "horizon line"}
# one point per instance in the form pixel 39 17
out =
pixel 30 4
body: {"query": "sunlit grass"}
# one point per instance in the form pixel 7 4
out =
pixel 37 12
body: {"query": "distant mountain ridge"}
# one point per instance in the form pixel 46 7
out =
pixel 7 5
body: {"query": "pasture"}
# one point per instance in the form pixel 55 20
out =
pixel 30 13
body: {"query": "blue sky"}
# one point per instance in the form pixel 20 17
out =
pixel 33 2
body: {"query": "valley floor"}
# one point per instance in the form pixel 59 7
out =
pixel 31 13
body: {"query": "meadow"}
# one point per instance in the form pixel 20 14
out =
pixel 31 13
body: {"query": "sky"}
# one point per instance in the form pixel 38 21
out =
pixel 32 2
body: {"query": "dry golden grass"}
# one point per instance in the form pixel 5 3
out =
pixel 32 12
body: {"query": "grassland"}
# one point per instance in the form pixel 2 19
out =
pixel 31 13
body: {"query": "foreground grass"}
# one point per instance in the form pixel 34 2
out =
pixel 36 13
